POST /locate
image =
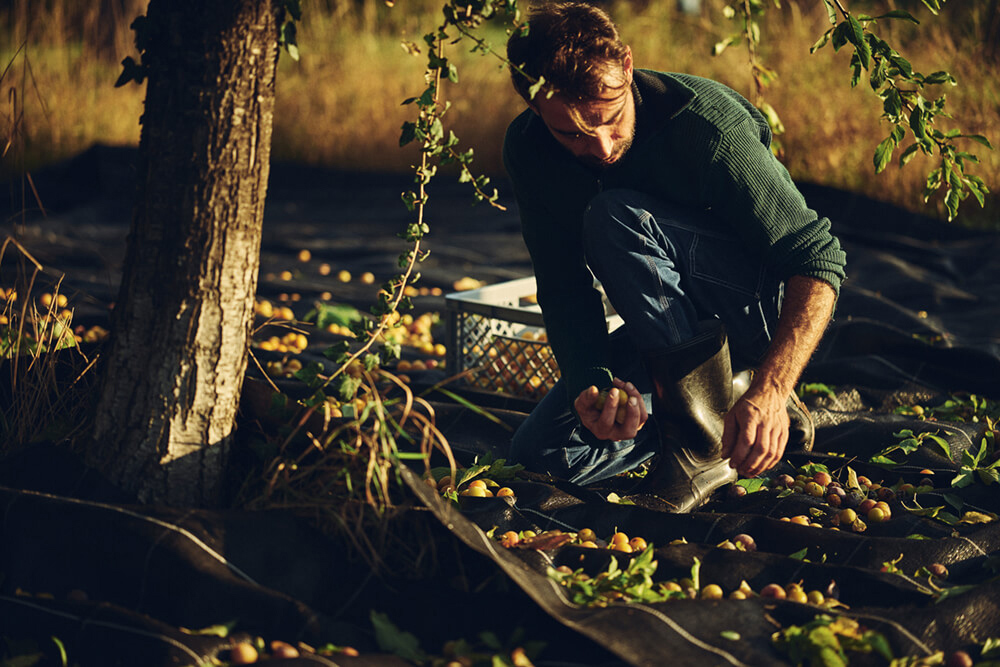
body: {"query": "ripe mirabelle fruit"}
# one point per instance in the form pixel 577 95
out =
pixel 622 403
pixel 509 539
pixel 711 592
pixel 243 654
pixel 619 539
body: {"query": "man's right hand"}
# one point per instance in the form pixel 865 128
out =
pixel 601 420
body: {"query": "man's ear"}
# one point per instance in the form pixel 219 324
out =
pixel 627 64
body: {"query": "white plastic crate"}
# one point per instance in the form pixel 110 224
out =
pixel 497 334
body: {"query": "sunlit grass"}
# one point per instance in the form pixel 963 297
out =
pixel 339 105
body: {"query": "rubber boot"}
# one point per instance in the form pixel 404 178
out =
pixel 692 392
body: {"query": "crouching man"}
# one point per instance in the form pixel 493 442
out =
pixel 663 187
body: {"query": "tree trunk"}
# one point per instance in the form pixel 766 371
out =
pixel 181 328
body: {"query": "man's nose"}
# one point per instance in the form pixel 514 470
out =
pixel 602 144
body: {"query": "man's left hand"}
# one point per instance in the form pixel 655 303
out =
pixel 756 432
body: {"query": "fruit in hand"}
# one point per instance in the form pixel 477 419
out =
pixel 622 403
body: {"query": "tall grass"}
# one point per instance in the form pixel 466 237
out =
pixel 340 105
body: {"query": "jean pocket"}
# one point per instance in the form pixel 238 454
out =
pixel 724 262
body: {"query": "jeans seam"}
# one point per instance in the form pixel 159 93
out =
pixel 667 312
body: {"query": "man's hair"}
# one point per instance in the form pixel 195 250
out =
pixel 572 45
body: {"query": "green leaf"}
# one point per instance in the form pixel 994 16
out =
pixel 865 54
pixel 954 591
pixel 855 33
pixel 218 630
pixel 831 11
pixel 899 14
pixel 731 635
pixel 348 387
pixel 878 642
pixel 408 133
pixel 131 71
pixel 918 123
pixel 800 554
pixel 956 502
pixel 991 648
pixel 941 443
pixel 390 638
pixel 535 87
pixel 939 78
pixel 878 75
pixel 989 475
pixel 962 479
pixel 333 313
pixel 752 484
pixel 978 138
pixel 821 42
pixel 893 104
pixel 724 44
pixel 883 154
pixel 840 35
pixel 908 153
pixel 902 64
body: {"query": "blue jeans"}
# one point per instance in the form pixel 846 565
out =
pixel 664 269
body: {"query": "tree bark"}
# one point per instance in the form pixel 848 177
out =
pixel 181 328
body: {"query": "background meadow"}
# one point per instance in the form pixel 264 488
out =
pixel 340 104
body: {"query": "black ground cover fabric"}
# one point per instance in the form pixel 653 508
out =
pixel 917 321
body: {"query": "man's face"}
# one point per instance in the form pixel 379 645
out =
pixel 597 132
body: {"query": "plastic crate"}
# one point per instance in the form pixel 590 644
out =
pixel 497 336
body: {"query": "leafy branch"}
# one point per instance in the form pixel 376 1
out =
pixel 893 80
pixel 428 128
pixel 904 105
pixel 750 13
pixel 910 442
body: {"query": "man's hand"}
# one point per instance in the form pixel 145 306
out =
pixel 756 432
pixel 756 428
pixel 601 420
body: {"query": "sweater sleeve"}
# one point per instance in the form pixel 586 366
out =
pixel 572 308
pixel 747 185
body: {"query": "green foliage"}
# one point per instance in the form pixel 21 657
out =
pixel 325 314
pixel 910 442
pixel 748 14
pixel 132 70
pixel 815 389
pixel 826 642
pixel 438 148
pixel 905 107
pixel 982 465
pixel 291 11
pixel 893 80
pixel 486 649
pixel 484 466
pixel 393 640
pixel 633 583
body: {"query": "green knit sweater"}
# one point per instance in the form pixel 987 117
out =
pixel 698 143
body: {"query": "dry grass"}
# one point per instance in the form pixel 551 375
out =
pixel 42 383
pixel 340 105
